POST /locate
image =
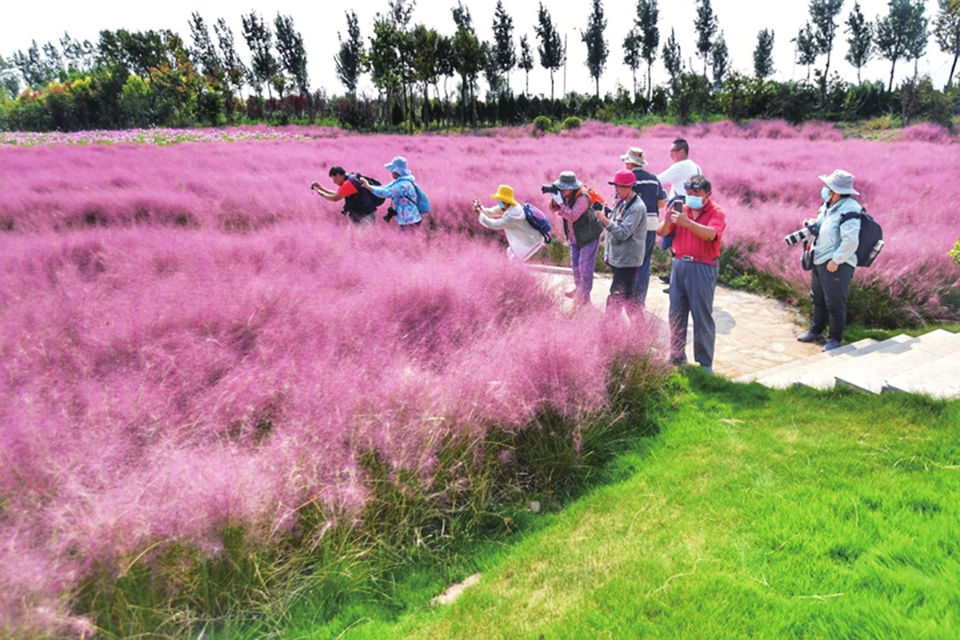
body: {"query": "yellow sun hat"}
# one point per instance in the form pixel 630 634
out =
pixel 505 194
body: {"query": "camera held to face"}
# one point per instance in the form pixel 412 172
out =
pixel 549 188
pixel 810 228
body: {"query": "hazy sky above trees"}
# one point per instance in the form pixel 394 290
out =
pixel 739 20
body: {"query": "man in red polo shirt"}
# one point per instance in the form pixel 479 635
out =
pixel 698 226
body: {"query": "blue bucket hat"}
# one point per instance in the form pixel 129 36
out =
pixel 398 166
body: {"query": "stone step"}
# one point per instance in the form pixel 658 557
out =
pixel 787 374
pixel 938 377
pixel 871 373
pixel 821 373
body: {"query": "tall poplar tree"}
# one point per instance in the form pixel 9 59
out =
pixel 860 42
pixel 763 54
pixel 899 32
pixel 823 14
pixel 349 59
pixel 552 54
pixel 720 57
pixel 526 62
pixel 673 60
pixel 293 56
pixel 648 16
pixel 946 29
pixel 503 51
pixel 596 46
pixel 706 26
pixel 806 48
pixel 631 55
pixel 259 38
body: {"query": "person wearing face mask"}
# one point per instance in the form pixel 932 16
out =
pixel 698 226
pixel 834 259
pixel 507 215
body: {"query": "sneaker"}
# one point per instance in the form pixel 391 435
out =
pixel 571 294
pixel 667 290
pixel 831 345
pixel 665 279
pixel 810 336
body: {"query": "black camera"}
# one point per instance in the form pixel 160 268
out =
pixel 391 214
pixel 549 188
pixel 810 228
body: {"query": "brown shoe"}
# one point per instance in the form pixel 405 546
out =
pixel 571 294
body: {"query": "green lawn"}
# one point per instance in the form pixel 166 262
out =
pixel 754 513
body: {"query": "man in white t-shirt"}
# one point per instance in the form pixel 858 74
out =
pixel 682 169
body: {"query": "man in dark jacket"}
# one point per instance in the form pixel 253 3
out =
pixel 651 192
pixel 359 204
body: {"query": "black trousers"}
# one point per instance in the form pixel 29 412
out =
pixel 621 289
pixel 828 292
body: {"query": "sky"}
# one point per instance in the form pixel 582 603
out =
pixel 320 23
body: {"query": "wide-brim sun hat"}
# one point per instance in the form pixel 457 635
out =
pixel 398 166
pixel 634 156
pixel 505 194
pixel 567 180
pixel 624 179
pixel 840 182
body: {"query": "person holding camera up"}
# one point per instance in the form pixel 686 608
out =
pixel 626 227
pixel 360 205
pixel 697 226
pixel 523 240
pixel 402 194
pixel 682 169
pixel 580 225
pixel 834 259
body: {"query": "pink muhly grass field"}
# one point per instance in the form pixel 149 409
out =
pixel 159 384
pixel 764 175
pixel 190 338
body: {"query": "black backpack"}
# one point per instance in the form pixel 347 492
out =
pixel 365 201
pixel 871 237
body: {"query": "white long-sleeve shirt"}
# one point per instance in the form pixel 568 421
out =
pixel 523 240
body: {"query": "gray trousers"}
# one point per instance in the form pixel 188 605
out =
pixel 692 285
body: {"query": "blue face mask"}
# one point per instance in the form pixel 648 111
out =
pixel 695 202
pixel 825 194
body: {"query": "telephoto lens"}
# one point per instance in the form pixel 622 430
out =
pixel 795 237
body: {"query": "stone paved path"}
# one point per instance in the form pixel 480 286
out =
pixel 753 332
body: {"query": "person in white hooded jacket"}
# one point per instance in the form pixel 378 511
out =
pixel 507 215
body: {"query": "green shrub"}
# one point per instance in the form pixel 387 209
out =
pixel 572 122
pixel 543 124
pixel 955 253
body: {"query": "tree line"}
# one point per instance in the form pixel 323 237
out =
pixel 154 78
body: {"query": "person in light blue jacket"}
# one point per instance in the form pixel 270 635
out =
pixel 834 260
pixel 402 193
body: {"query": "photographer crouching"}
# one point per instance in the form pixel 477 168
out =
pixel 833 258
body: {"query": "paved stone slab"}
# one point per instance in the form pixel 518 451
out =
pixel 789 373
pixel 871 373
pixel 938 377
